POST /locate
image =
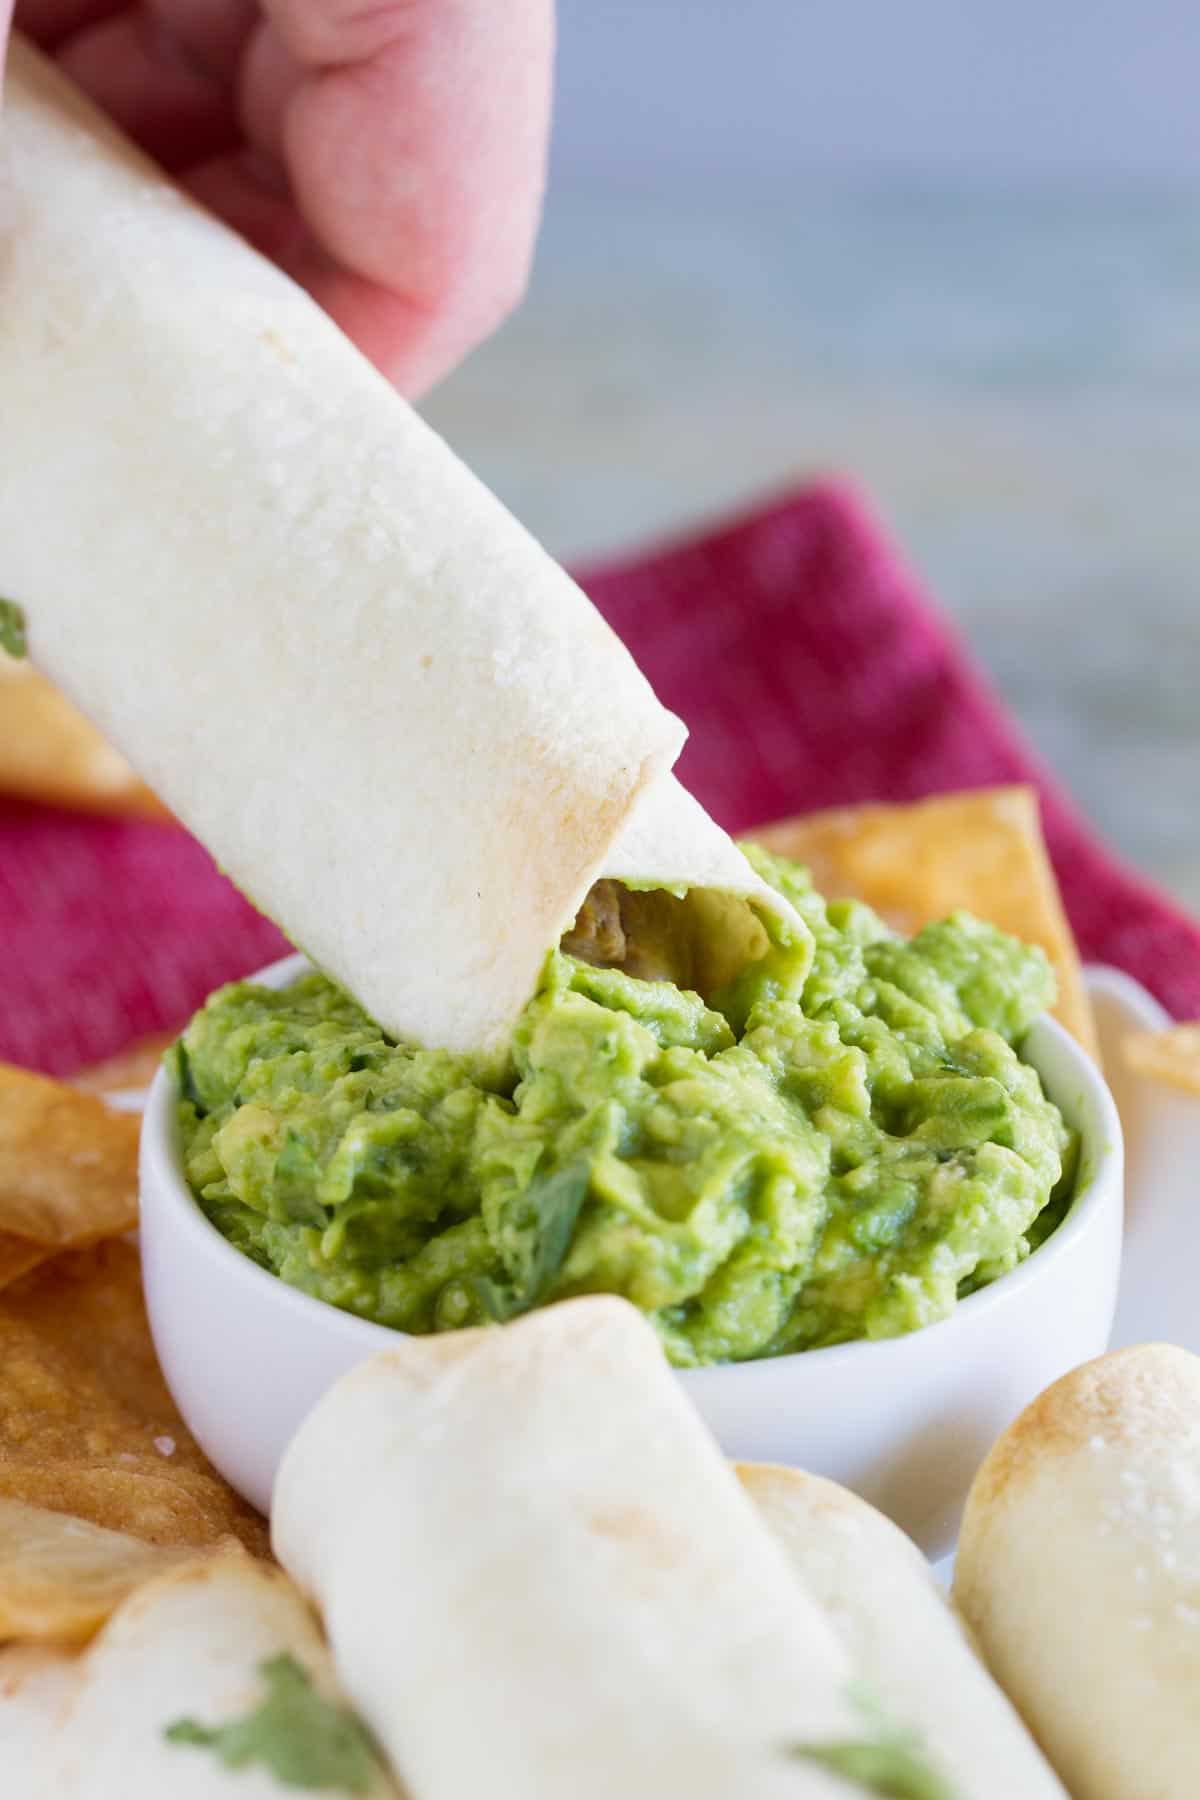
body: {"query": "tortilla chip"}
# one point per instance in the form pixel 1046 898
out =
pixel 1172 1056
pixel 133 1068
pixel 68 1163
pixel 982 851
pixel 18 1255
pixel 60 1577
pixel 49 752
pixel 87 1425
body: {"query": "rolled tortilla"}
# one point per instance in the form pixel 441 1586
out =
pixel 188 1645
pixel 881 1599
pixel 539 1577
pixel 396 723
pixel 36 1686
pixel 1079 1571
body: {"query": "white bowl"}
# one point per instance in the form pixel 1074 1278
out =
pixel 904 1421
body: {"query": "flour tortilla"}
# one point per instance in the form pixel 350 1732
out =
pixel 880 1597
pixel 187 1645
pixel 36 1685
pixel 539 1577
pixel 1079 1570
pixel 396 723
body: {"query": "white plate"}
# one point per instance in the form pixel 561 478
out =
pixel 1157 1297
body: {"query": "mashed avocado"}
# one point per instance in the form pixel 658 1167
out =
pixel 839 1146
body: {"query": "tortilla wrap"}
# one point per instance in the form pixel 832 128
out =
pixel 530 1530
pixel 186 1645
pixel 395 722
pixel 1079 1571
pixel 36 1685
pixel 881 1599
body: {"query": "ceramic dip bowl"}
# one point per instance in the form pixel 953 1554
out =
pixel 903 1421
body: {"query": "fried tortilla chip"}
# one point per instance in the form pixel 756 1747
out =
pixel 87 1425
pixel 981 851
pixel 61 1577
pixel 135 1067
pixel 68 1163
pixel 18 1255
pixel 1172 1056
pixel 49 752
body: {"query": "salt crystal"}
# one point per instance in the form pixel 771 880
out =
pixel 165 1446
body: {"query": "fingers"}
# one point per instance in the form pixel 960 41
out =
pixel 270 76
pixel 139 73
pixel 407 138
pixel 252 196
pixel 48 22
pixel 416 145
pixel 211 35
pixel 414 345
pixel 326 33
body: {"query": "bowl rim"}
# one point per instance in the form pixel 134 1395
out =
pixel 1100 1165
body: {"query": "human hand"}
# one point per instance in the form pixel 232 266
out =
pixel 391 157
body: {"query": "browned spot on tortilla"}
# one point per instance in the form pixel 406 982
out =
pixel 1147 1391
pixel 274 341
pixel 635 1526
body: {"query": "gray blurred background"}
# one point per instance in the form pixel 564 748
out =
pixel 949 248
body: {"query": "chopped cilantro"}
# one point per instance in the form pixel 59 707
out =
pixel 305 1740
pixel 889 1762
pixel 556 1202
pixel 180 1065
pixel 12 628
pixel 888 1768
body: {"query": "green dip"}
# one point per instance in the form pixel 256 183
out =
pixel 840 1146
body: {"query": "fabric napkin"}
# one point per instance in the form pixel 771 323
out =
pixel 811 671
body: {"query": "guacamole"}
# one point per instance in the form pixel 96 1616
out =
pixel 840 1145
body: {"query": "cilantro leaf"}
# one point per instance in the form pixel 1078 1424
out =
pixel 305 1740
pixel 888 1761
pixel 12 628
pixel 296 1173
pixel 891 1769
pixel 557 1201
pixel 180 1064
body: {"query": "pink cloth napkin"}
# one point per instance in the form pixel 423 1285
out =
pixel 812 673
